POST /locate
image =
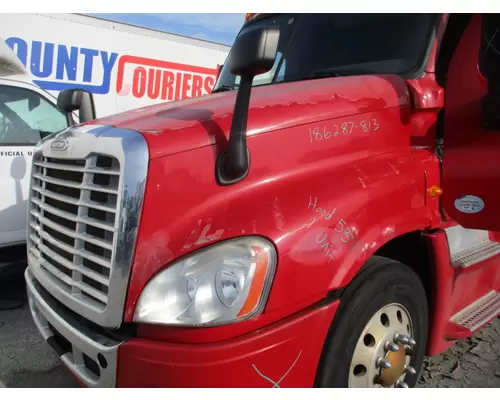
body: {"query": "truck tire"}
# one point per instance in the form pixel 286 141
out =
pixel 378 337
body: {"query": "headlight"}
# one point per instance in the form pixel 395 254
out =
pixel 224 283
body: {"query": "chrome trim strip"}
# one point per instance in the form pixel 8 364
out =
pixel 131 149
pixel 94 346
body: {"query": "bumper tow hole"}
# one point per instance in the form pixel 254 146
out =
pixel 102 361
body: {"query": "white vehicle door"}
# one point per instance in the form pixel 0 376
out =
pixel 27 114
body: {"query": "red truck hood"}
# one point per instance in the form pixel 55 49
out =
pixel 175 127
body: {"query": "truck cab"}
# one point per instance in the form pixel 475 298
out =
pixel 324 218
pixel 27 114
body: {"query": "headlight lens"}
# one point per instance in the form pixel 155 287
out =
pixel 227 282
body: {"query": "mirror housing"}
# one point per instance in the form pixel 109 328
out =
pixel 70 100
pixel 253 53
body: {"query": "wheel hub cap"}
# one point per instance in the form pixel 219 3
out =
pixel 383 352
pixel 397 360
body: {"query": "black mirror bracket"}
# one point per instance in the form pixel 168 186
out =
pixel 222 175
pixel 234 163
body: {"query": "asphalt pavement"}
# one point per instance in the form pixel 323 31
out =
pixel 27 361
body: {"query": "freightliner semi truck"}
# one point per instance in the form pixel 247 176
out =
pixel 326 224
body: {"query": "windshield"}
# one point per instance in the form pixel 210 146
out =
pixel 26 117
pixel 321 45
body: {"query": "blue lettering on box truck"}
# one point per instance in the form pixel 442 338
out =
pixel 55 66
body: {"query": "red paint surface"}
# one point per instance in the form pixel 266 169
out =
pixel 273 350
pixel 443 282
pixel 372 179
pixel 193 123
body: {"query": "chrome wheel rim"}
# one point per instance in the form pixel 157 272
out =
pixel 382 355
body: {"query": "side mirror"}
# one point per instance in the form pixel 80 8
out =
pixel 254 51
pixel 70 100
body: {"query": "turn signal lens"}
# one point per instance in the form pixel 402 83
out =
pixel 435 191
pixel 262 263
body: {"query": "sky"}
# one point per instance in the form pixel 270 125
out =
pixel 220 28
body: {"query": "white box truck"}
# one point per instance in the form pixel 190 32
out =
pixel 124 67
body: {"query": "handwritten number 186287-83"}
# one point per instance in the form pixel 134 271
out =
pixel 344 128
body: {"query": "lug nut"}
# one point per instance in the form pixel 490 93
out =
pixel 391 346
pixel 410 370
pixel 404 339
pixel 401 384
pixel 383 363
pixel 400 338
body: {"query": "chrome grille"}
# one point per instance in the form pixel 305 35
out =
pixel 86 193
pixel 73 222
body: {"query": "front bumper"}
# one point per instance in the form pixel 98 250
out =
pixel 90 356
pixel 285 354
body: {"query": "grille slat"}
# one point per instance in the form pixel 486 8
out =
pixel 73 223
pixel 76 252
pixel 62 246
pixel 57 272
pixel 71 217
pixel 68 232
pixel 93 275
pixel 35 252
pixel 56 257
pixel 79 268
pixel 72 184
pixel 72 283
pixel 66 167
pixel 71 200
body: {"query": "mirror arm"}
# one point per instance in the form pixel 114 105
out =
pixel 233 164
pixel 253 53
